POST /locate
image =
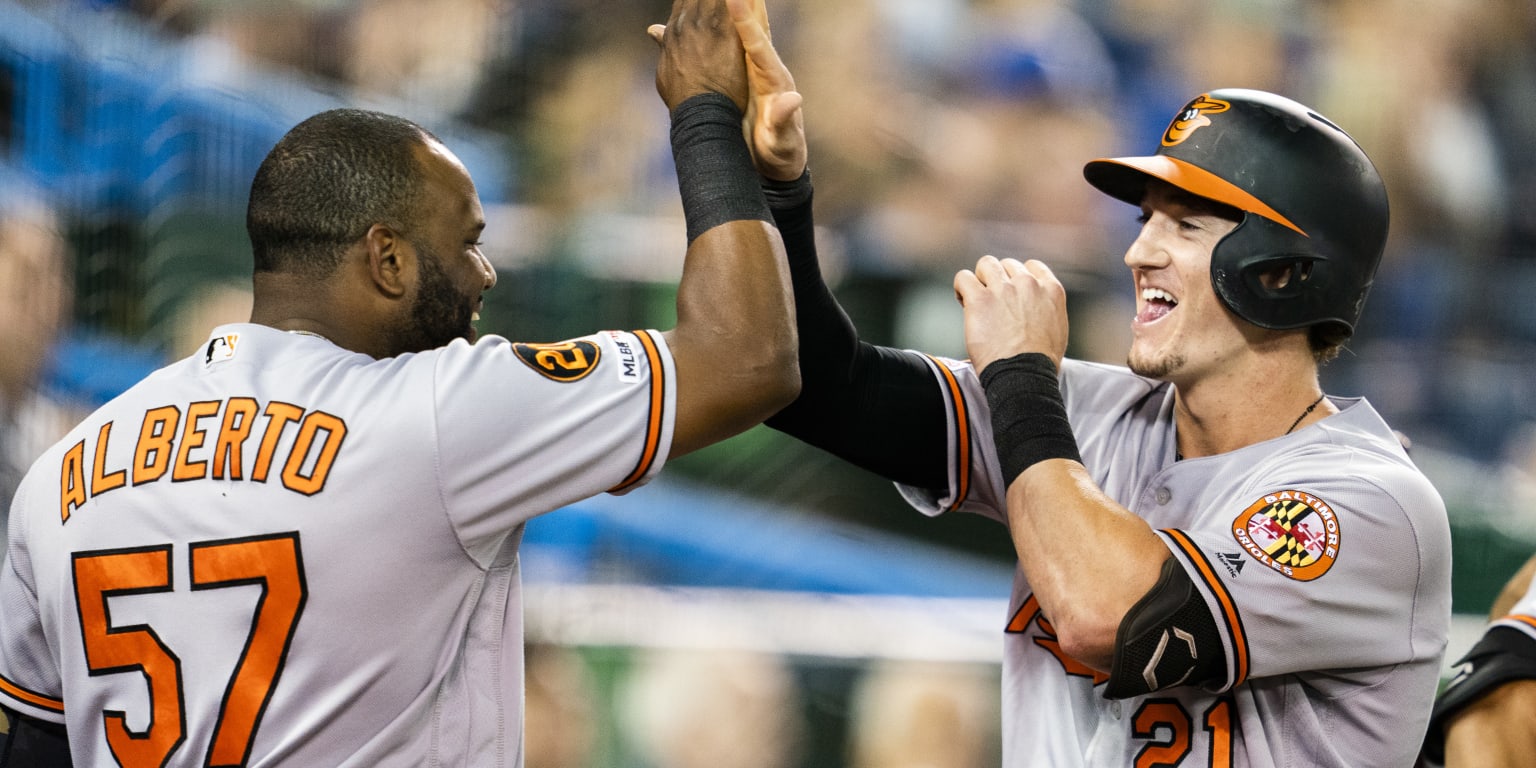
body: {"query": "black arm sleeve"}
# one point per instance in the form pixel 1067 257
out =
pixel 1503 655
pixel 875 407
pixel 33 743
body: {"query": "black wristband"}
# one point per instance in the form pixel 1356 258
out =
pixel 785 195
pixel 715 174
pixel 1029 419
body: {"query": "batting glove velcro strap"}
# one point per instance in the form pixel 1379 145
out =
pixel 715 174
pixel 1029 419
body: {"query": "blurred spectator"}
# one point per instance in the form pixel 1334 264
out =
pixel 209 305
pixel 36 294
pixel 560 725
pixel 430 55
pixel 1504 77
pixel 910 714
pixel 704 708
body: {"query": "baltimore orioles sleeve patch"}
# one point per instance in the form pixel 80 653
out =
pixel 1291 532
pixel 563 361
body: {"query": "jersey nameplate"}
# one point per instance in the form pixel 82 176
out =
pixel 1291 532
pixel 237 438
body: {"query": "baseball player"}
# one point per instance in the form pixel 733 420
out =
pixel 1486 716
pixel 1219 565
pixel 299 546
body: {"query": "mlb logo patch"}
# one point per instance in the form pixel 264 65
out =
pixel 221 348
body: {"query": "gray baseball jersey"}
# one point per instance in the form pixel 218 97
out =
pixel 279 552
pixel 1323 556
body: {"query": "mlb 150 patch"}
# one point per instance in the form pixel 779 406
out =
pixel 563 361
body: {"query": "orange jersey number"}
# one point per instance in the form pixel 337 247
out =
pixel 272 562
pixel 1166 726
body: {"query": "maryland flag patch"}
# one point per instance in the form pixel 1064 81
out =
pixel 1292 532
pixel 565 361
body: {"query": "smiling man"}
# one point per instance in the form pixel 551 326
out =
pixel 1219 564
pixel 300 546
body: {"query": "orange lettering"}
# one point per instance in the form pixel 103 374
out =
pixel 192 437
pixel 153 454
pixel 335 431
pixel 279 415
pixel 101 480
pixel 1029 613
pixel 72 480
pixel 239 414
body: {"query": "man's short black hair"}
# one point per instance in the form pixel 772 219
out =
pixel 326 182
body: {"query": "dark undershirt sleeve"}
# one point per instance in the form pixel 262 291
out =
pixel 33 743
pixel 876 407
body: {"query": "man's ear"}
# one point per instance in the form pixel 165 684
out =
pixel 391 260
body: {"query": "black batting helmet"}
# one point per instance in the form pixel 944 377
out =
pixel 1310 199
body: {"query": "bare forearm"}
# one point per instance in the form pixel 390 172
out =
pixel 734 344
pixel 1498 731
pixel 1088 559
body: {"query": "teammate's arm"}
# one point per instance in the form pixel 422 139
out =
pixel 1496 731
pixel 1513 590
pixel 1089 560
pixel 1488 718
pixel 876 407
pixel 734 343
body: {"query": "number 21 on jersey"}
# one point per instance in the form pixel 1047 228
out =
pixel 1168 728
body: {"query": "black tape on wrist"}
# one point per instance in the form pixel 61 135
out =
pixel 715 174
pixel 785 195
pixel 1029 419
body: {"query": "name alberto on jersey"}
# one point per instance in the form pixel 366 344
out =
pixel 215 439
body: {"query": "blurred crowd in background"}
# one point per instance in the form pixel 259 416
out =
pixel 940 130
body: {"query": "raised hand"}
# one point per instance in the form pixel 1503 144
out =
pixel 700 52
pixel 775 124
pixel 1011 308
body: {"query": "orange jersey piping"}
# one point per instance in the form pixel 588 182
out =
pixel 653 425
pixel 1228 605
pixel 1529 621
pixel 962 435
pixel 35 699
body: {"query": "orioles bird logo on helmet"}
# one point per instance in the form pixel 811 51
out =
pixel 1193 117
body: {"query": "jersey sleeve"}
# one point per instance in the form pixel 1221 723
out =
pixel 527 428
pixel 975 481
pixel 29 673
pixel 1114 415
pixel 1327 560
pixel 1522 617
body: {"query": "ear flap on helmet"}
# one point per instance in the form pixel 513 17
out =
pixel 1277 278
